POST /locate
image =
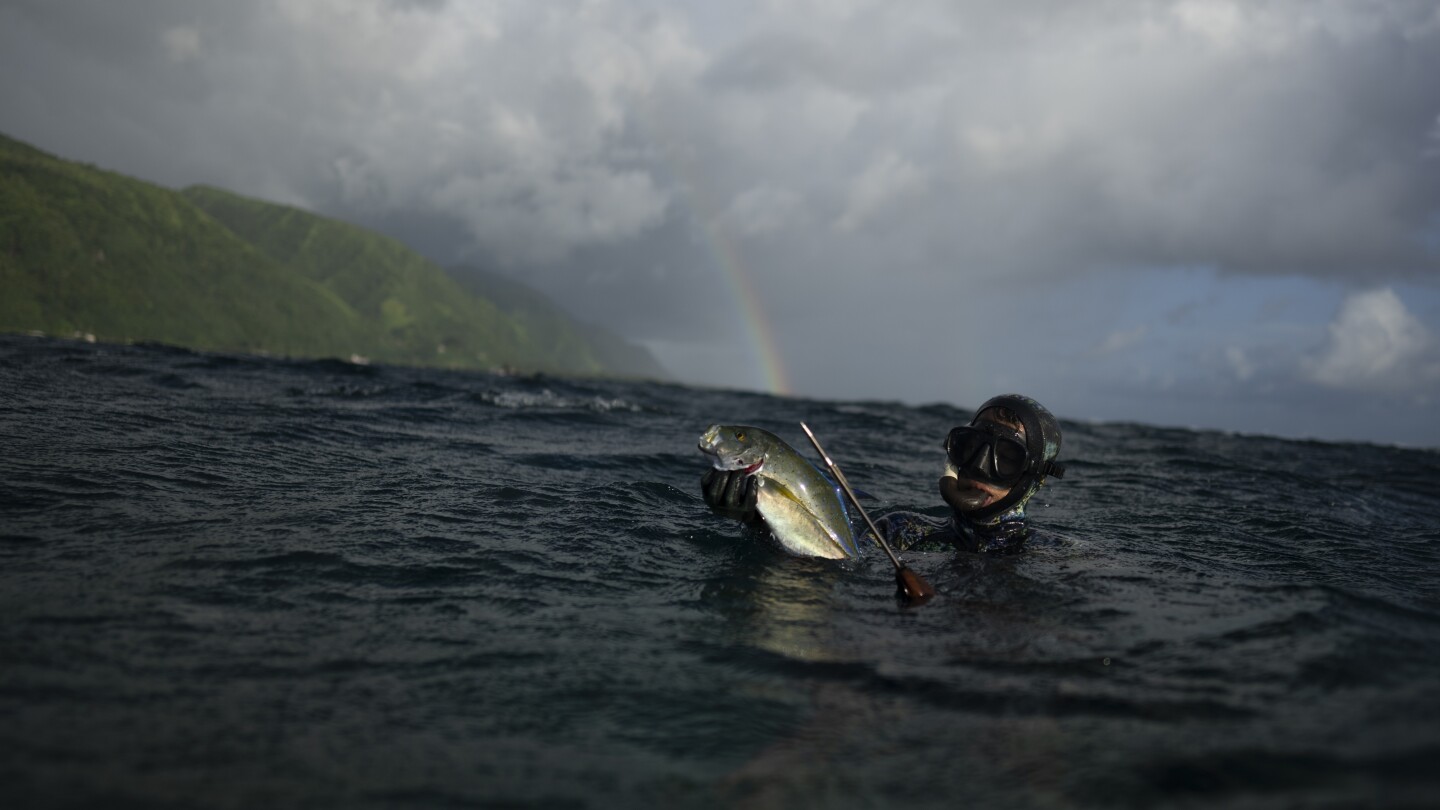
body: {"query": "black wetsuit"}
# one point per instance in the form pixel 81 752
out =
pixel 910 531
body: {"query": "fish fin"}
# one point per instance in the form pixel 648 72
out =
pixel 780 490
pixel 859 493
pixel 791 521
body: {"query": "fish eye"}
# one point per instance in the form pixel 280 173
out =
pixel 740 435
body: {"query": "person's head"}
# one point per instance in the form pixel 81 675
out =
pixel 995 463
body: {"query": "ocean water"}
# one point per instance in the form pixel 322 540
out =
pixel 243 582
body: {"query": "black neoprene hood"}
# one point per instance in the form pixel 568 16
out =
pixel 1042 443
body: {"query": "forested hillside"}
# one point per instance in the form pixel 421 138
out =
pixel 91 251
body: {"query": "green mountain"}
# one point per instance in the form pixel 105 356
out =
pixel 85 250
pixel 553 329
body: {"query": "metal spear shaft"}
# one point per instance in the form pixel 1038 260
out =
pixel 912 585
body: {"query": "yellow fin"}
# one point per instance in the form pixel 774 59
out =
pixel 792 523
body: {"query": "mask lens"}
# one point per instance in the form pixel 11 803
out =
pixel 1010 458
pixel 962 444
pixel 982 454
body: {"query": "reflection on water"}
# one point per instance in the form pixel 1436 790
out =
pixel 252 582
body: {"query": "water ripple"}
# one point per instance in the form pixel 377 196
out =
pixel 258 581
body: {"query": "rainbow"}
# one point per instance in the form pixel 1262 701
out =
pixel 725 250
pixel 756 324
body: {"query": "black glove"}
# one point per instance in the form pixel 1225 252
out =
pixel 731 494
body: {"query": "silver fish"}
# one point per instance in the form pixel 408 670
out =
pixel 803 509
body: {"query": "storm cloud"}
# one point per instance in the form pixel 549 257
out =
pixel 914 192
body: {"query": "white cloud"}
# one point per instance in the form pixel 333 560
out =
pixel 182 42
pixel 885 181
pixel 763 210
pixel 1375 342
pixel 1240 362
pixel 532 222
pixel 1220 21
pixel 517 120
pixel 1122 339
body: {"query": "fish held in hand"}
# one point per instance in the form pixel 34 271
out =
pixel 803 509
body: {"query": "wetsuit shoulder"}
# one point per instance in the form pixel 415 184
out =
pixel 1005 537
pixel 911 531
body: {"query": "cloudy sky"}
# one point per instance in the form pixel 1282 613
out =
pixel 1202 213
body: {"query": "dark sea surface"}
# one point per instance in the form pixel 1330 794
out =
pixel 247 582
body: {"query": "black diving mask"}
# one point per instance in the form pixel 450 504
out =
pixel 988 452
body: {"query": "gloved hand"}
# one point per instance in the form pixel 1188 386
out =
pixel 730 494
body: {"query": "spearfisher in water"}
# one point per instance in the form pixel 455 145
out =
pixel 993 466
